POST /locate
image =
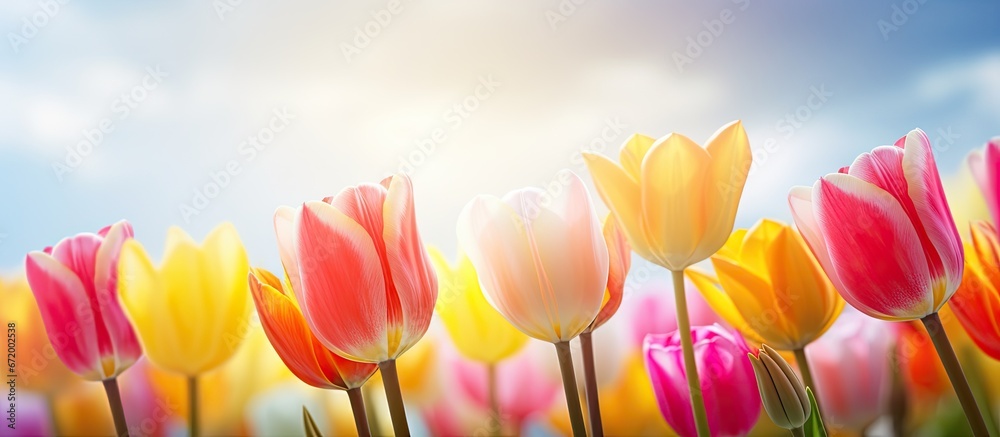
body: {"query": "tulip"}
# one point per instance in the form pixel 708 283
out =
pixel 676 203
pixel 361 276
pixel 301 351
pixel 977 302
pixel 728 387
pixel 772 289
pixel 192 311
pixel 985 166
pixel 543 263
pixel 76 286
pixel 478 331
pixel 883 232
pixel 526 389
pixel 852 371
pixel 781 391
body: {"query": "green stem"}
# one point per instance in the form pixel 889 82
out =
pixel 491 379
pixel 192 383
pixel 569 386
pixel 947 354
pixel 807 375
pixel 977 381
pixel 590 377
pixel 358 408
pixel 117 410
pixel 394 396
pixel 690 366
pixel 798 432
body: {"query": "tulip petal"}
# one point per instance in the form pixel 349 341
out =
pixel 621 193
pixel 223 255
pixel 800 201
pixel 674 178
pixel 720 302
pixel 860 249
pixel 619 262
pixel 343 286
pixel 753 298
pixel 412 273
pixel 123 339
pixel 928 197
pixel 632 154
pixel 66 313
pixel 729 149
pixel 284 230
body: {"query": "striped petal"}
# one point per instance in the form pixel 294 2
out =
pixel 66 313
pixel 343 284
pixel 877 252
pixel 124 342
pixel 284 230
pixel 800 201
pixel 412 272
pixel 936 222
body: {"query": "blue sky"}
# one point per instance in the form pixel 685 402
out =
pixel 559 82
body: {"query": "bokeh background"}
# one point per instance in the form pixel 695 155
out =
pixel 467 97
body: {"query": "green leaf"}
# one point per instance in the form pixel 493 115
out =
pixel 814 427
pixel 311 429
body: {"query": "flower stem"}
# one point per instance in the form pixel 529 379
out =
pixel 491 381
pixel 358 407
pixel 798 432
pixel 590 377
pixel 807 375
pixel 947 354
pixel 690 367
pixel 192 383
pixel 393 395
pixel 117 410
pixel 569 386
pixel 369 391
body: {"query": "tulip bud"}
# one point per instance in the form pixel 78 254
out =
pixel 782 392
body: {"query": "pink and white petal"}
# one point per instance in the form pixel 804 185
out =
pixel 124 341
pixel 65 309
pixel 284 230
pixel 343 288
pixel 412 273
pixel 565 237
pixel 928 198
pixel 800 200
pixel 875 250
pixel 493 235
pixel 667 375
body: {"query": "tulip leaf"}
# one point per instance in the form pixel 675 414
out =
pixel 311 429
pixel 814 427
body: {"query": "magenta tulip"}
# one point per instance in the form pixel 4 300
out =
pixel 728 384
pixel 985 166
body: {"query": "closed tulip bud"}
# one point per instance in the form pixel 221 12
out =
pixel 783 394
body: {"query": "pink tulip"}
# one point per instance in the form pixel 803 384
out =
pixel 523 388
pixel 883 232
pixel 728 384
pixel 850 364
pixel 76 286
pixel 985 166
pixel 651 311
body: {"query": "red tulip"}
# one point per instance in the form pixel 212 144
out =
pixel 76 286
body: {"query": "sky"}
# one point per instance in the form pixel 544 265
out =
pixel 191 113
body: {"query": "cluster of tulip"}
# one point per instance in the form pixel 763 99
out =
pixel 359 290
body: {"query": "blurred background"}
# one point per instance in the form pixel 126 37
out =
pixel 191 113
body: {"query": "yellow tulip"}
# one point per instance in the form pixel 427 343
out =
pixel 191 312
pixel 772 288
pixel 675 200
pixel 479 332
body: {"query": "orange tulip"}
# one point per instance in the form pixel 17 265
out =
pixel 298 348
pixel 977 302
